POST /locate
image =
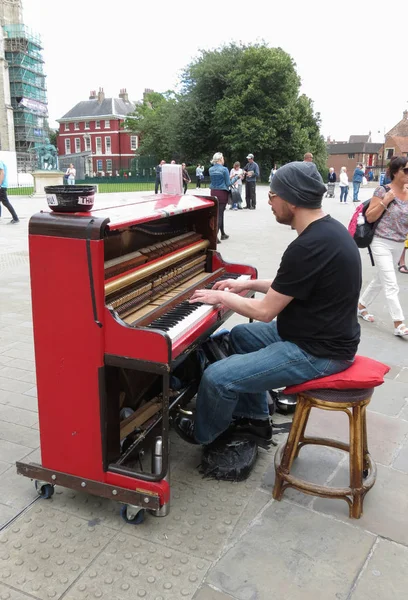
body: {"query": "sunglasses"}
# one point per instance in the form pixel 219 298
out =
pixel 405 169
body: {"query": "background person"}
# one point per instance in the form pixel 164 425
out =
pixel 308 157
pixel 185 176
pixel 3 193
pixel 71 174
pixel 237 171
pixel 388 242
pixel 199 176
pixel 251 173
pixel 344 184
pixel 357 180
pixel 331 177
pixel 157 183
pixel 220 184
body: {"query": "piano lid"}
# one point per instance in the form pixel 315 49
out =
pixel 149 208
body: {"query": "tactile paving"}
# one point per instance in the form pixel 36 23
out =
pixel 10 260
pixel 199 521
pixel 44 551
pixel 7 593
pixel 130 569
pixel 96 510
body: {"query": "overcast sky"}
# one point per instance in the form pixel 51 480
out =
pixel 351 59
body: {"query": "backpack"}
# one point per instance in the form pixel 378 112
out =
pixel 360 229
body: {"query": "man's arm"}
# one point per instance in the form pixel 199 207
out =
pixel 264 309
pixel 1 176
pixel 237 285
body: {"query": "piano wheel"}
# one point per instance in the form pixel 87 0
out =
pixel 44 490
pixel 133 515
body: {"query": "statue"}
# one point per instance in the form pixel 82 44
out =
pixel 47 157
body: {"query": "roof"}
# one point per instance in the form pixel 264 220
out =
pixel 400 129
pixel 354 148
pixel 115 107
pixel 400 141
pixel 356 139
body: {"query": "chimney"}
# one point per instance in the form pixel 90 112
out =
pixel 101 96
pixel 405 115
pixel 124 95
pixel 92 95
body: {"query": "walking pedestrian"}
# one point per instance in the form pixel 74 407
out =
pixel 3 193
pixel 344 184
pixel 70 174
pixel 220 184
pixel 391 205
pixel 251 173
pixel 357 180
pixel 186 177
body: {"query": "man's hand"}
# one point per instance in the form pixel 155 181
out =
pixel 230 285
pixel 207 297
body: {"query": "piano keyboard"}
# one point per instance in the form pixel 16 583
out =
pixel 179 320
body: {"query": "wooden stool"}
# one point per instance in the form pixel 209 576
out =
pixel 351 400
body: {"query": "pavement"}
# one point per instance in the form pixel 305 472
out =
pixel 221 541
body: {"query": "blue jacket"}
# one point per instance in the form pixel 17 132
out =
pixel 358 175
pixel 252 167
pixel 219 177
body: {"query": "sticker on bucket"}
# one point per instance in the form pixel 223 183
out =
pixel 86 199
pixel 52 200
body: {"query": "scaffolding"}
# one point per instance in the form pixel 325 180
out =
pixel 23 53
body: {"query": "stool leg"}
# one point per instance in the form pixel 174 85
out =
pixel 302 434
pixel 301 414
pixel 366 464
pixel 356 461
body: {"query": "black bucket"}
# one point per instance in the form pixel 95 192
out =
pixel 70 198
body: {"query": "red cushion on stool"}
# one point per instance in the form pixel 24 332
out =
pixel 364 373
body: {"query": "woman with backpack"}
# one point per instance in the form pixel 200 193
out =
pixel 391 206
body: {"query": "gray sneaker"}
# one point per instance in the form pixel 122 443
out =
pixel 14 221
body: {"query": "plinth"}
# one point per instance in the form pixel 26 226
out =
pixel 44 178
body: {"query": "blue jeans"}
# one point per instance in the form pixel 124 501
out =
pixel 71 181
pixel 343 193
pixel 237 385
pixel 356 189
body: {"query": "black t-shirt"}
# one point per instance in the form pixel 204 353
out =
pixel 321 269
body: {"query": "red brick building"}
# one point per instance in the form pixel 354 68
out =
pixel 396 140
pixel 359 149
pixel 91 136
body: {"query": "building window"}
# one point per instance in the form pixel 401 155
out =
pixel 389 153
pixel 99 165
pixel 107 126
pixel 97 124
pixel 76 126
pixel 133 142
pixel 351 155
pixel 67 146
pixel 108 145
pixel 77 145
pixel 66 127
pixel 109 166
pixel 87 125
pixel 98 145
pixel 87 143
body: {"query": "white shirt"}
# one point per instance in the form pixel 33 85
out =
pixel 344 179
pixel 71 172
pixel 234 173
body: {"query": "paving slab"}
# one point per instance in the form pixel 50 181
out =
pixel 44 551
pixel 18 400
pixel 16 491
pixel 19 434
pixel 389 398
pixel 385 574
pixel 129 568
pixel 307 556
pixel 209 593
pixel 385 505
pixel 7 593
pixel 401 460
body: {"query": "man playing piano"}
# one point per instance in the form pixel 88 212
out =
pixel 306 323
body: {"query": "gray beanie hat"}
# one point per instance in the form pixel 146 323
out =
pixel 299 183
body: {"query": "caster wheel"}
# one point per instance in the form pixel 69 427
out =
pixel 44 490
pixel 127 514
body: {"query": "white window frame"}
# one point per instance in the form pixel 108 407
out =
pixel 109 162
pixel 77 145
pixel 87 124
pixel 97 124
pixel 387 150
pixel 76 126
pixel 134 142
pixel 66 127
pixel 67 146
pixel 98 145
pixel 107 124
pixel 108 150
pixel 88 144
